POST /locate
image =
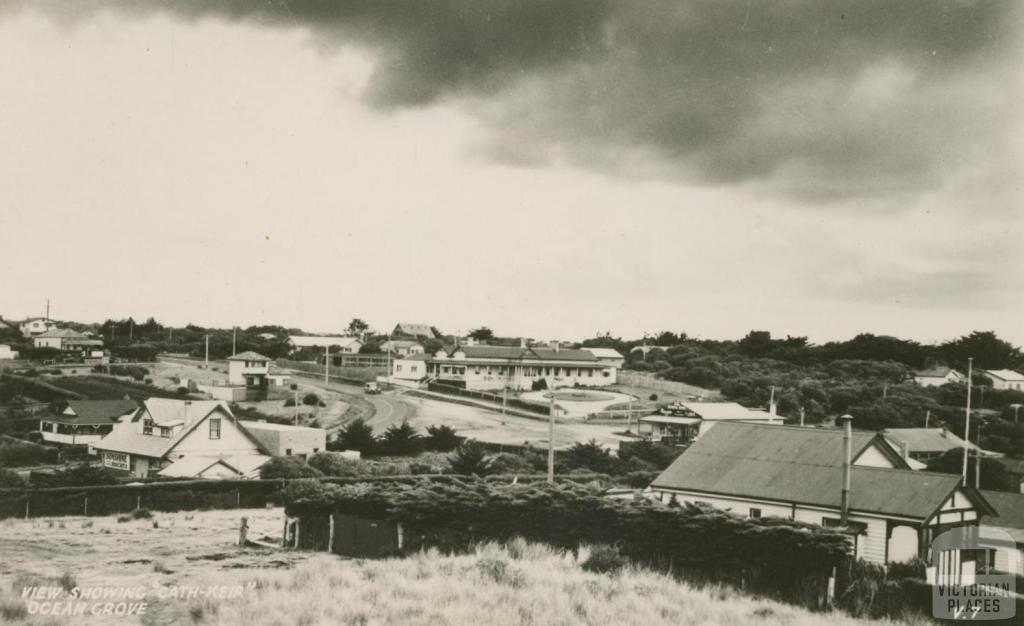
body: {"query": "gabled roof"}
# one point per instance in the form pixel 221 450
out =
pixel 724 411
pixel 927 440
pixel 89 412
pixel 314 341
pixel 400 343
pixel 522 354
pixel 196 465
pixel 248 355
pixel 936 372
pixel 65 333
pixel 804 466
pixel 165 412
pixel 605 353
pixel 1006 375
pixel 418 330
pixel 1009 506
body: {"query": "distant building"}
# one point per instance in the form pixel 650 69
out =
pixel 937 376
pixel 402 347
pixel 286 440
pixel 70 341
pixel 256 372
pixel 337 343
pixel 35 326
pixel 759 470
pixel 495 367
pixel 609 356
pixel 85 421
pixel 6 352
pixel 681 422
pixel 412 367
pixel 1006 379
pixel 924 444
pixel 413 331
pixel 164 432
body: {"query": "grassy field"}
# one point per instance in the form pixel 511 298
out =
pixel 515 584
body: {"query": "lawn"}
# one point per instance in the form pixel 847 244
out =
pixel 517 584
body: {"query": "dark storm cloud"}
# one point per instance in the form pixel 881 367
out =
pixel 817 99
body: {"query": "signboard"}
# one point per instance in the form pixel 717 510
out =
pixel 116 460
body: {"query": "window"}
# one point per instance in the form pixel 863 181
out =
pixel 755 513
pixel 398 368
pixel 315 450
pixel 476 370
pixel 165 432
pixel 147 427
pixel 590 373
pixel 215 428
pixel 288 452
pixel 413 368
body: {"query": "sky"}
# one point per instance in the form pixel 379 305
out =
pixel 547 169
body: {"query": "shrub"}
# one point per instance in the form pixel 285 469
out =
pixel 441 438
pixel 182 390
pixel 357 435
pixel 16 454
pixel 470 459
pixel 311 399
pixel 78 476
pixel 9 479
pixel 508 463
pixel 289 402
pixel 590 456
pixel 604 559
pixel 142 513
pixel 401 440
pixel 540 384
pixel 653 397
pixel 333 464
pixel 288 467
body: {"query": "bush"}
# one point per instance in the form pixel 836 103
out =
pixel 182 390
pixel 508 463
pixel 653 397
pixel 470 459
pixel 288 467
pixel 441 438
pixel 311 399
pixel 540 384
pixel 357 435
pixel 78 476
pixel 401 440
pixel 289 402
pixel 9 479
pixel 333 464
pixel 604 559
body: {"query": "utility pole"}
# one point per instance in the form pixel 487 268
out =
pixel 207 351
pixel 234 350
pixel 47 309
pixel 801 415
pixel 551 437
pixel 977 459
pixel 967 417
pixel 927 417
pixel 327 364
pixel 504 399
pixel 1016 410
pixel 131 328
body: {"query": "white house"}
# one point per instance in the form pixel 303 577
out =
pixel 609 356
pixel 1006 379
pixel 67 340
pixel 412 367
pixel 402 347
pixel 938 376
pixel 6 352
pixel 164 432
pixel 683 421
pixel 336 343
pixel 287 440
pixel 1010 519
pixel 924 444
pixel 495 367
pixel 34 326
pixel 755 470
pixel 85 421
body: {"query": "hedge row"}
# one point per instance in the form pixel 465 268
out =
pixel 184 495
pixel 781 558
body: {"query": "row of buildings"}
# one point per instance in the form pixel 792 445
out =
pixel 937 376
pixel 178 438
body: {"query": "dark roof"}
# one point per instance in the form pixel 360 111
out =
pixel 248 355
pixel 804 466
pixel 65 333
pixel 525 354
pixel 417 330
pixel 1009 506
pixel 89 412
pixel 928 440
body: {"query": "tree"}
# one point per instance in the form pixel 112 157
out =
pixel 994 474
pixel 442 438
pixel 10 479
pixel 357 327
pixel 987 350
pixel 311 399
pixel 357 435
pixel 470 459
pixel 288 467
pixel 591 456
pixel 334 464
pixel 482 334
pixel 401 440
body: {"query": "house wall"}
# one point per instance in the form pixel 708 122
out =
pixel 872 457
pixel 7 353
pixel 198 443
pixel 999 383
pixel 237 370
pixel 300 441
pixel 483 376
pixel 409 369
pixel 48 342
pixel 1003 558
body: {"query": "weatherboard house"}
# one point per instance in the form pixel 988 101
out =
pixel 176 437
pixel 85 421
pixel 892 513
pixel 497 367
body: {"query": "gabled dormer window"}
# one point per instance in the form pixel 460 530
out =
pixel 147 427
pixel 214 428
pixel 165 432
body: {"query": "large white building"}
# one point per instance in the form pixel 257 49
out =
pixel 497 367
pixel 336 343
pixel 938 376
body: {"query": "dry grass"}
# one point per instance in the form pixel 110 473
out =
pixel 520 583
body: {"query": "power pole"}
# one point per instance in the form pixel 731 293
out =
pixel 207 351
pixel 47 309
pixel 504 399
pixel 977 459
pixel 131 329
pixel 801 416
pixel 551 438
pixel 234 350
pixel 327 364
pixel 927 417
pixel 967 417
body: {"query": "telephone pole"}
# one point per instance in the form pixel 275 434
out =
pixel 234 350
pixel 551 438
pixel 327 363
pixel 207 351
pixel 967 417
pixel 977 459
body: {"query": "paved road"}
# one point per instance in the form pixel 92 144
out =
pixel 389 408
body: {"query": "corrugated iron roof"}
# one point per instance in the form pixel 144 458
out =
pixel 1005 375
pixel 1009 506
pixel 95 411
pixel 248 355
pixel 804 466
pixel 927 440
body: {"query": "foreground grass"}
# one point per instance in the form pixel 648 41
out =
pixel 498 585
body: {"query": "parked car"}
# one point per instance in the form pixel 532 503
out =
pixel 371 388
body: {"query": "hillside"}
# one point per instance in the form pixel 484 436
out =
pixel 520 584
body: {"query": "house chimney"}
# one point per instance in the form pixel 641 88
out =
pixel 944 431
pixel 522 342
pixel 844 503
pixel 905 450
pixel 556 345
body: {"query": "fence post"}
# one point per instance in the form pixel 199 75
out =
pixel 138 502
pixel 330 533
pixel 243 532
pixel 238 498
pixel 28 501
